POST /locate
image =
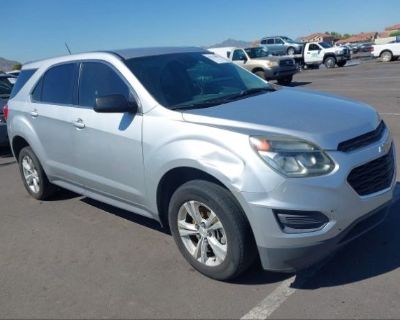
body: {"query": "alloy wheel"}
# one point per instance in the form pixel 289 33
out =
pixel 202 233
pixel 31 175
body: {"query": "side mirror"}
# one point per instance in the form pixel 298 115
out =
pixel 244 59
pixel 115 103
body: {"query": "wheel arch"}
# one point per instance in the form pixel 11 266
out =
pixel 17 144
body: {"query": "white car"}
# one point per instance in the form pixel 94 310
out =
pixel 386 52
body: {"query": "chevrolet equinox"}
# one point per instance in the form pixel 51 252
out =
pixel 235 168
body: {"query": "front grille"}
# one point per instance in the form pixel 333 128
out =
pixel 373 176
pixel 363 140
pixel 286 63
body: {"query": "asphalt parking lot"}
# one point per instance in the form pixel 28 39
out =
pixel 74 257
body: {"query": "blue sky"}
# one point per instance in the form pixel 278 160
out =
pixel 36 29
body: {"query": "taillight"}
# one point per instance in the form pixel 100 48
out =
pixel 5 112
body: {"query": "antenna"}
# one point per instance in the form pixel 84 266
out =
pixel 66 45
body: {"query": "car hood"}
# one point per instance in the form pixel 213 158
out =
pixel 320 118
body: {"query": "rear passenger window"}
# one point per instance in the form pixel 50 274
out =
pixel 37 92
pixel 58 84
pixel 263 41
pixel 97 80
pixel 270 41
pixel 23 78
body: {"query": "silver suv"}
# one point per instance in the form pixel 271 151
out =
pixel 235 168
pixel 282 45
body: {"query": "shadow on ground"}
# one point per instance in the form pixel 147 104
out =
pixel 298 84
pixel 371 255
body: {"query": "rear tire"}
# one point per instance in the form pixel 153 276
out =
pixel 386 56
pixel 236 249
pixel 291 51
pixel 33 176
pixel 330 62
pixel 285 81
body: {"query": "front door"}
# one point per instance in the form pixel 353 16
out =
pixel 108 146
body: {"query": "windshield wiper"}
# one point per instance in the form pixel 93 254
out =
pixel 222 100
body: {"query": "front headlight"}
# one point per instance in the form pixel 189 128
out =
pixel 292 157
pixel 272 64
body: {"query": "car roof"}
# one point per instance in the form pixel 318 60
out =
pixel 154 51
pixel 124 54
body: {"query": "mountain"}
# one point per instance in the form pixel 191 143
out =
pixel 6 65
pixel 231 43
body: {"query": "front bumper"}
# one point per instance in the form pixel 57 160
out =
pixel 280 72
pixel 331 195
pixel 343 57
pixel 3 134
pixel 297 258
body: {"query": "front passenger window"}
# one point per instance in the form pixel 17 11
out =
pixel 97 80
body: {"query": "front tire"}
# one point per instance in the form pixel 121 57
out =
pixel 285 81
pixel 330 62
pixel 341 64
pixel 260 73
pixel 33 176
pixel 211 230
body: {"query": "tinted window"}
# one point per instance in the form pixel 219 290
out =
pixel 314 47
pixel 98 80
pixel 58 84
pixel 238 55
pixel 279 41
pixel 23 77
pixel 191 78
pixel 263 41
pixel 37 92
pixel 270 41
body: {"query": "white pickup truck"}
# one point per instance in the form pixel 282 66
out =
pixel 386 52
pixel 316 53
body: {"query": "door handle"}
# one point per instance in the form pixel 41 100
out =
pixel 79 124
pixel 34 113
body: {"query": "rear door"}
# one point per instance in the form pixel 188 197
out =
pixel 50 112
pixel 108 146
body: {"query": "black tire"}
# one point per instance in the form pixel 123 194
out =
pixel 291 51
pixel 46 189
pixel 285 81
pixel 241 248
pixel 341 64
pixel 260 73
pixel 330 62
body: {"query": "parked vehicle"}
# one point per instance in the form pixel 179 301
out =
pixel 233 166
pixel 5 91
pixel 386 52
pixel 258 61
pixel 14 73
pixel 331 56
pixel 281 45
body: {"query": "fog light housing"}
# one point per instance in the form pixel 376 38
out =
pixel 294 221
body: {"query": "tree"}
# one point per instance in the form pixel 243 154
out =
pixel 395 33
pixel 16 66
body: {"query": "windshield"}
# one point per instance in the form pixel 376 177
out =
pixel 288 40
pixel 325 45
pixel 258 52
pixel 190 80
pixel 5 87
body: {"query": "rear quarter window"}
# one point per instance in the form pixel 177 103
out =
pixel 22 79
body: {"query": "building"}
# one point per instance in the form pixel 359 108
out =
pixel 361 37
pixel 395 27
pixel 318 37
